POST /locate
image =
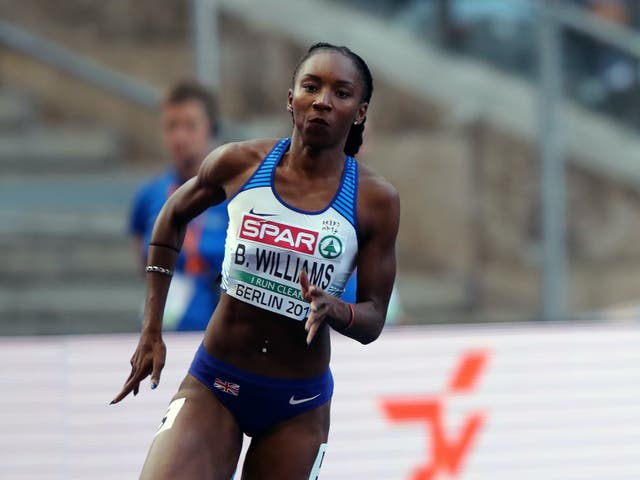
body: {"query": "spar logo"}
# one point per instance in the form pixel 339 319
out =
pixel 278 234
pixel 330 247
pixel 448 451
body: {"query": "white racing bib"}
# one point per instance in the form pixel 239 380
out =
pixel 269 242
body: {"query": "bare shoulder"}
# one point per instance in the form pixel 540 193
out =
pixel 378 201
pixel 374 190
pixel 232 161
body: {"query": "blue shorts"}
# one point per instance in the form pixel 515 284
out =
pixel 256 402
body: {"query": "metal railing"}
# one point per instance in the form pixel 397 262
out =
pixel 205 42
pixel 79 66
pixel 552 16
pixel 553 182
pixel 578 19
pixel 205 45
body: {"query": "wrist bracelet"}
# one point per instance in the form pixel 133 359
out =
pixel 157 269
pixel 164 245
pixel 352 320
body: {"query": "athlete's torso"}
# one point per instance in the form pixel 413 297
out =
pixel 270 242
pixel 242 325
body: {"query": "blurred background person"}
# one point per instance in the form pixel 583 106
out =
pixel 189 124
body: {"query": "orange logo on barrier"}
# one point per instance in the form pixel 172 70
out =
pixel 447 454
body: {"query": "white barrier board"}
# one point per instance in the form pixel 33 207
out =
pixel 472 402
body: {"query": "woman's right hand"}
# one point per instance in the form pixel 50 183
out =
pixel 148 358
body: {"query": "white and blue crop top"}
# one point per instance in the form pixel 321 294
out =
pixel 270 242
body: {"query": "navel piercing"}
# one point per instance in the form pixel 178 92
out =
pixel 264 349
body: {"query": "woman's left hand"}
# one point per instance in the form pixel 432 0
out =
pixel 322 306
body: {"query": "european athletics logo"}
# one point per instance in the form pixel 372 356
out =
pixel 447 454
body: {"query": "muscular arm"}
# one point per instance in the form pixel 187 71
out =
pixel 221 174
pixel 210 187
pixel 187 202
pixel 376 262
pixel 378 219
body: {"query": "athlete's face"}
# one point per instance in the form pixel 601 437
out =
pixel 326 99
pixel 186 131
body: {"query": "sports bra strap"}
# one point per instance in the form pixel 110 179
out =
pixel 262 176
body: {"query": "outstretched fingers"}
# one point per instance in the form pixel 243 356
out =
pixel 313 295
pixel 158 365
pixel 316 318
pixel 304 285
pixel 148 359
pixel 132 384
pixel 312 330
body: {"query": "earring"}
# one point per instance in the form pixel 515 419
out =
pixel 355 123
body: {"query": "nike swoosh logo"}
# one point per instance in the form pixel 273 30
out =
pixel 262 214
pixel 294 401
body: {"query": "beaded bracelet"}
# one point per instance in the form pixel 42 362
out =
pixel 157 269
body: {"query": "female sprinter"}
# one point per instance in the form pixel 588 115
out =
pixel 303 213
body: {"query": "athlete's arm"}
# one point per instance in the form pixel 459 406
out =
pixel 217 177
pixel 378 220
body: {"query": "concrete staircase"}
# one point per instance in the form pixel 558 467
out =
pixel 66 264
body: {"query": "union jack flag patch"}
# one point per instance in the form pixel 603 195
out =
pixel 227 387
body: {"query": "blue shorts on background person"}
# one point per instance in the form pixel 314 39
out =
pixel 189 121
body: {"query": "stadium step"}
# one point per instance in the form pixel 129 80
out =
pixel 68 265
pixel 431 298
pixel 17 111
pixel 70 307
pixel 56 258
pixel 72 195
pixel 58 149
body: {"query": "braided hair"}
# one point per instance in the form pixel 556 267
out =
pixel 354 139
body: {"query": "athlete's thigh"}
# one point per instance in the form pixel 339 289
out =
pixel 198 438
pixel 291 450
